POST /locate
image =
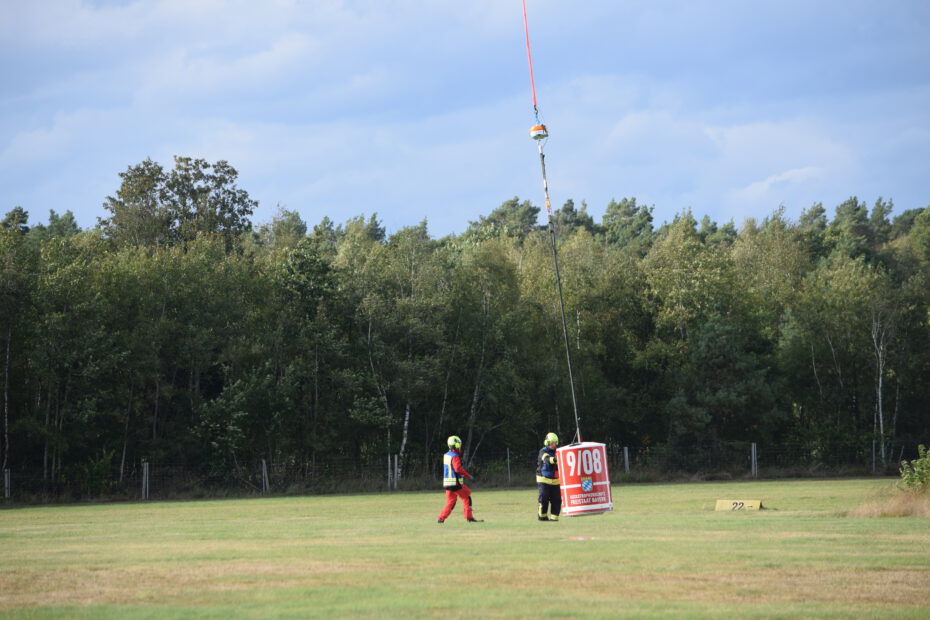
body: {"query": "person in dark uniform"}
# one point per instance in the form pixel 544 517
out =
pixel 547 479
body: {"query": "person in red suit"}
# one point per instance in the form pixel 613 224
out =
pixel 453 475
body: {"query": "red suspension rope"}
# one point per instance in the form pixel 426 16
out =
pixel 529 59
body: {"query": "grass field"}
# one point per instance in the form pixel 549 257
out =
pixel 663 552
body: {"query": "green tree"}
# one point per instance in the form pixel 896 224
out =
pixel 728 381
pixel 918 239
pixel 58 226
pixel 409 328
pixel 827 346
pixel 711 234
pixel 771 262
pixel 153 207
pixel 850 230
pixel 628 225
pixel 300 330
pixel 359 261
pixel 879 225
pixel 17 219
pixel 204 199
pixel 17 267
pixel 813 228
pixel 567 220
pixel 72 354
pixel 512 219
pixel 286 230
pixel 139 213
pixel 687 280
pixel 307 278
pixel 697 308
pixel 325 237
pixel 608 324
pixel 902 223
pixel 494 389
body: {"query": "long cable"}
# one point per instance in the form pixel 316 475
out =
pixel 540 134
pixel 529 60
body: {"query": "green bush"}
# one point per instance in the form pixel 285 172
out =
pixel 95 476
pixel 915 476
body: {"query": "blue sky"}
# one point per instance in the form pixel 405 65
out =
pixel 416 109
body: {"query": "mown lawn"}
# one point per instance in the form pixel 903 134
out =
pixel 664 552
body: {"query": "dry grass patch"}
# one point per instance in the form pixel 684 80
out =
pixel 901 504
pixel 869 587
pixel 134 584
pixel 894 588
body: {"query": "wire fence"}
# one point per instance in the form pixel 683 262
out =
pixel 386 473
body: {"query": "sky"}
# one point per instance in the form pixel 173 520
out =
pixel 420 109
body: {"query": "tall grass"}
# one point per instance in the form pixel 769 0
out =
pixel 895 504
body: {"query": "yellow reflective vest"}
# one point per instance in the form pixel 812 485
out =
pixel 547 467
pixel 450 477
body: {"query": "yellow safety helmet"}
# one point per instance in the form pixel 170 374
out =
pixel 454 442
pixel 550 438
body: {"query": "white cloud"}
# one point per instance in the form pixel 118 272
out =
pixel 417 107
pixel 759 166
pixel 55 142
pixel 631 136
pixel 766 190
pixel 185 72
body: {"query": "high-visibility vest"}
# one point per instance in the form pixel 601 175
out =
pixel 450 477
pixel 547 467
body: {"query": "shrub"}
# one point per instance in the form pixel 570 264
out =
pixel 915 475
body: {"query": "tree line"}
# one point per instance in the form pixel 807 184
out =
pixel 177 331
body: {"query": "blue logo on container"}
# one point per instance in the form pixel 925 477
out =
pixel 586 484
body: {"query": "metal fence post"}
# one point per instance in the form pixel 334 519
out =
pixel 266 487
pixel 145 479
pixel 396 471
pixel 390 474
pixel 7 490
pixel 626 459
pixel 755 462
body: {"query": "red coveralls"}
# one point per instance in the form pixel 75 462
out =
pixel 452 474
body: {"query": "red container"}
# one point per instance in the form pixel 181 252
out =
pixel 585 484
